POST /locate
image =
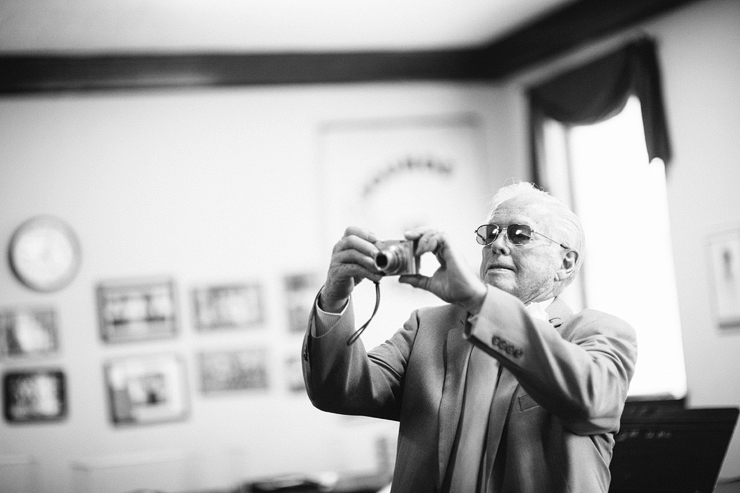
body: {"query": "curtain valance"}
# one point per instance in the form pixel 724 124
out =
pixel 599 90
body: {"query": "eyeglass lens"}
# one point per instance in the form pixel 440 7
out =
pixel 518 234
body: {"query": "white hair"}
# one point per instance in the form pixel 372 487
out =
pixel 567 226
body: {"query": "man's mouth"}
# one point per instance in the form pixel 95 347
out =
pixel 500 267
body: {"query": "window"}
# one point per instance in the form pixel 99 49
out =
pixel 602 170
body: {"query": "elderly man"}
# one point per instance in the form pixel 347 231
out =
pixel 504 388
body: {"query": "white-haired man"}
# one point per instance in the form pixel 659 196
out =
pixel 503 389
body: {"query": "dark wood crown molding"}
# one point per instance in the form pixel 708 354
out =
pixel 23 74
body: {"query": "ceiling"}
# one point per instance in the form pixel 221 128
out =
pixel 166 26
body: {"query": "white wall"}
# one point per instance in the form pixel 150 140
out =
pixel 699 48
pixel 198 185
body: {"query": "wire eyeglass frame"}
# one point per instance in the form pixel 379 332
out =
pixel 483 237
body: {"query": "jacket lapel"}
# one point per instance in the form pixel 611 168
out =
pixel 457 354
pixel 507 385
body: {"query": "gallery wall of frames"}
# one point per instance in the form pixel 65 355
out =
pixel 406 172
pixel 150 388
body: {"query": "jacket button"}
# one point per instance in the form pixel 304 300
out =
pixel 495 340
pixel 509 349
pixel 518 353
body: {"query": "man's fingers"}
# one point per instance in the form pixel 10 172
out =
pixel 353 257
pixel 430 241
pixel 417 281
pixel 361 233
pixel 353 242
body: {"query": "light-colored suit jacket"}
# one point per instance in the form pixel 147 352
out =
pixel 556 408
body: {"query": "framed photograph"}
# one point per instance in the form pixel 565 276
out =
pixel 146 389
pixel 724 254
pixel 27 331
pixel 233 306
pixel 405 172
pixel 300 293
pixel 137 310
pixel 234 370
pixel 32 396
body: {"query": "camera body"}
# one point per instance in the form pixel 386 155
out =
pixel 396 257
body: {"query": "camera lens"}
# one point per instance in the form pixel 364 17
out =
pixel 390 260
pixel 382 261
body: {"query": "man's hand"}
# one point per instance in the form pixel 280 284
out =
pixel 352 260
pixel 453 282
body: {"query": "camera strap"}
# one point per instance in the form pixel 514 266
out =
pixel 356 335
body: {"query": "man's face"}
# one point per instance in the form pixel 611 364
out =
pixel 525 271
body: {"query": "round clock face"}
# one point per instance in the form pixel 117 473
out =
pixel 44 253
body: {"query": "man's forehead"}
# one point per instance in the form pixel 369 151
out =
pixel 524 207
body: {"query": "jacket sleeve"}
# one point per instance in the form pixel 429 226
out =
pixel 350 380
pixel 580 373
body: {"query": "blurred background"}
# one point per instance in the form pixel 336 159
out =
pixel 193 164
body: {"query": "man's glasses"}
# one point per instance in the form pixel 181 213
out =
pixel 518 234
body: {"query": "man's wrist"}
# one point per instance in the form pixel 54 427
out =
pixel 474 303
pixel 331 306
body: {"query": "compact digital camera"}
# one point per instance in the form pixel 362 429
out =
pixel 396 257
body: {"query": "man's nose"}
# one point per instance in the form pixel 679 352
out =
pixel 500 244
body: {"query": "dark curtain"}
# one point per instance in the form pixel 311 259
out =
pixel 599 90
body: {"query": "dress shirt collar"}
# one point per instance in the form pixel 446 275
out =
pixel 537 309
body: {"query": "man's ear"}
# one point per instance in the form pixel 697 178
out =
pixel 568 265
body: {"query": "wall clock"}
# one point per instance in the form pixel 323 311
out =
pixel 44 253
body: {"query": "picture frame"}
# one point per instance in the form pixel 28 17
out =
pixel 137 310
pixel 224 371
pixel 407 172
pixel 35 395
pixel 724 257
pixel 146 389
pixel 26 331
pixel 300 292
pixel 227 306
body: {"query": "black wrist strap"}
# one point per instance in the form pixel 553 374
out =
pixel 356 335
